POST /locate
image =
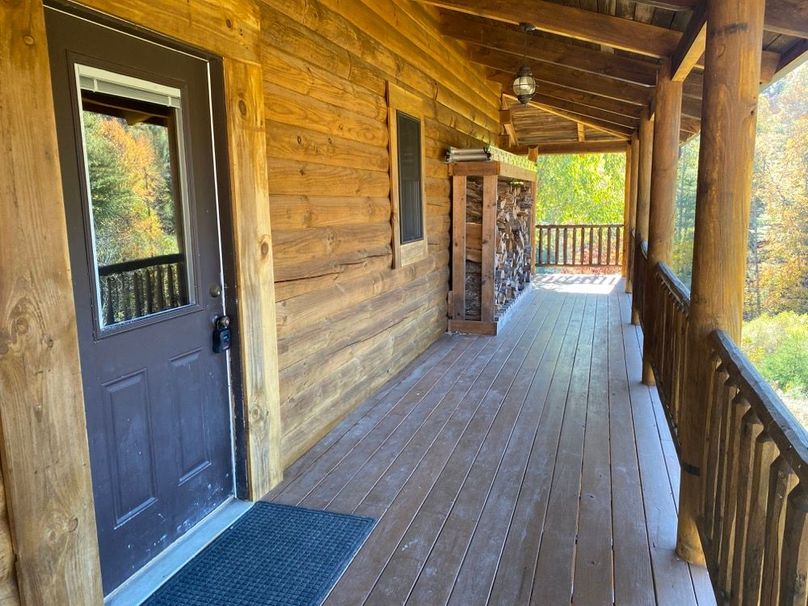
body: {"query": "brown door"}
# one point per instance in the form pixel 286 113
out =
pixel 137 156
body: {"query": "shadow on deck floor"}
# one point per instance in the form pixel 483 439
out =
pixel 531 467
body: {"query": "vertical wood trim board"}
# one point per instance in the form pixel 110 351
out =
pixel 45 457
pixel 255 280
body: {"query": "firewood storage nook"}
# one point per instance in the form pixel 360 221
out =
pixel 493 216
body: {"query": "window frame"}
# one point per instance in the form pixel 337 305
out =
pixel 399 100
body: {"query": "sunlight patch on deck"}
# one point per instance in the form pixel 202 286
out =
pixel 587 284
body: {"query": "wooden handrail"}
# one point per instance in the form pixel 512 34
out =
pixel 579 245
pixel 753 517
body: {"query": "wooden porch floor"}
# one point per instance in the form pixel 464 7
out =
pixel 531 467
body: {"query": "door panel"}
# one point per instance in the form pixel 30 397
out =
pixel 136 149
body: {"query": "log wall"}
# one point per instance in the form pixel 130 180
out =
pixel 346 321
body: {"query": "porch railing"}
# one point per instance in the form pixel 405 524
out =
pixel 578 245
pixel 145 286
pixel 754 514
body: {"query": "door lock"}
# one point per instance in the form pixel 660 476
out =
pixel 221 334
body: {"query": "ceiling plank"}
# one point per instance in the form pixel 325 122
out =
pixel 583 110
pixel 624 34
pixel 556 74
pixel 788 17
pixel 614 129
pixel 508 39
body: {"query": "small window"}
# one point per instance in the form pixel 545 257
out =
pixel 406 172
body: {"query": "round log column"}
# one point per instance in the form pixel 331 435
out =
pixel 626 215
pixel 632 218
pixel 667 120
pixel 644 182
pixel 729 109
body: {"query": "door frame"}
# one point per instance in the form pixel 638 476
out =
pixel 43 447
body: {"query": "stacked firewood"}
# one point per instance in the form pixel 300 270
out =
pixel 513 248
pixel 512 245
pixel 474 219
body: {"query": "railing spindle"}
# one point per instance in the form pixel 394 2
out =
pixel 794 571
pixel 764 455
pixel 751 427
pixel 782 481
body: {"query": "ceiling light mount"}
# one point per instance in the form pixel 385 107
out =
pixel 524 84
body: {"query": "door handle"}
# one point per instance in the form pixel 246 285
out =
pixel 221 334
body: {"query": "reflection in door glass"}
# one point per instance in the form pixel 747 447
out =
pixel 132 169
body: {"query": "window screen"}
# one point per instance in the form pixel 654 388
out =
pixel 409 178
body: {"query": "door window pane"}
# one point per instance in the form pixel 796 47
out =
pixel 132 162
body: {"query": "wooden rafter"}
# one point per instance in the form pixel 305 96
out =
pixel 623 34
pixel 562 76
pixel 691 47
pixel 506 38
pixel 612 129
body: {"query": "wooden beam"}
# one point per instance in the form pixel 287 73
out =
pixel 562 76
pixel 508 39
pixel 506 120
pixel 691 46
pixel 723 200
pixel 581 133
pixel 589 147
pixel 43 446
pixel 590 26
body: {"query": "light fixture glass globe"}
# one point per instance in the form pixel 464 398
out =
pixel 524 85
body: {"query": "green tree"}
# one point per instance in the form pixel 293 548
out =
pixel 581 188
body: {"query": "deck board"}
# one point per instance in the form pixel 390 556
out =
pixel 530 467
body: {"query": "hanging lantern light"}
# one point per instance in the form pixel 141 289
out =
pixel 524 84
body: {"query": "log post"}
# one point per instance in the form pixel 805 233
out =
pixel 729 110
pixel 626 212
pixel 663 191
pixel 644 183
pixel 632 219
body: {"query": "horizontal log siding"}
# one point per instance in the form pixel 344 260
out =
pixel 346 321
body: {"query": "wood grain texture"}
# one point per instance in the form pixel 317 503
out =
pixel 230 28
pixel 45 458
pixel 507 38
pixel 729 116
pixel 459 456
pixel 253 250
pixel 590 26
pixel 346 318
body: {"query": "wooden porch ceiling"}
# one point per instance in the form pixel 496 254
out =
pixel 596 62
pixel 530 467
